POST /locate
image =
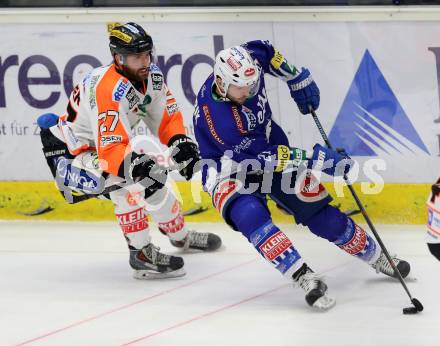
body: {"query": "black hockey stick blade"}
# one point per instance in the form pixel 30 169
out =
pixel 418 307
pixel 38 211
pixel 42 209
pixel 194 211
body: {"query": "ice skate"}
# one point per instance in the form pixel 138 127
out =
pixel 383 266
pixel 315 288
pixel 199 241
pixel 149 263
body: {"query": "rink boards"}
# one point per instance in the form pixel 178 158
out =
pixel 395 204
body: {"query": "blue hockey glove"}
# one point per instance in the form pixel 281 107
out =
pixel 304 91
pixel 47 120
pixel 331 162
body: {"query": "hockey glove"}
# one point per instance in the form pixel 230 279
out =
pixel 435 190
pixel 287 157
pixel 331 162
pixel 47 120
pixel 184 151
pixel 304 91
pixel 144 169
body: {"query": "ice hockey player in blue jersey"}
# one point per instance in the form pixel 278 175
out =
pixel 246 158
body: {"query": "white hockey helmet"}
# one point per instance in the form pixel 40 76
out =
pixel 235 66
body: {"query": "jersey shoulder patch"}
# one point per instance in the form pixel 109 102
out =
pixel 156 75
pixel 155 69
pixel 120 89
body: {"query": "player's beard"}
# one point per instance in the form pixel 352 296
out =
pixel 137 75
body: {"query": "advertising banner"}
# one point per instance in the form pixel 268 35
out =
pixel 379 85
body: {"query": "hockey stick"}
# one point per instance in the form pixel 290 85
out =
pixel 73 197
pixel 417 305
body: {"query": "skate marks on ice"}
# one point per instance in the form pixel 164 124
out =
pixel 70 284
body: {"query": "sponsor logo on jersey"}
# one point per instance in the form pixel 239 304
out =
pixel 86 80
pixel 371 121
pixel 92 91
pixel 145 102
pixel 262 102
pixel 154 68
pixel 72 142
pixel 250 117
pixel 211 124
pixel 275 245
pixel 172 108
pixel 132 98
pixel 105 140
pixel 120 89
pixel 133 221
pixel 202 91
pixel 157 80
pixel 233 63
pixel 237 120
pixel 243 145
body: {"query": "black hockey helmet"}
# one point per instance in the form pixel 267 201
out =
pixel 129 38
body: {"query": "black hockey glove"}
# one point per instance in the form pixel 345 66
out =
pixel 144 169
pixel 184 151
pixel 435 190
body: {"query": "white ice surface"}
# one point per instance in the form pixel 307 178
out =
pixel 70 284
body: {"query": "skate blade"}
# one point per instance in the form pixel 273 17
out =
pixel 324 303
pixel 150 275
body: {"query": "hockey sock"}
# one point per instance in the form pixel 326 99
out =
pixel 251 217
pixel 332 224
pixel 166 211
pixel 274 245
pixel 134 225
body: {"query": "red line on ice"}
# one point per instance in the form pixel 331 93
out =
pixel 207 314
pixel 123 307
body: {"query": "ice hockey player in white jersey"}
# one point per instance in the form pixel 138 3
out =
pixel 433 237
pixel 91 147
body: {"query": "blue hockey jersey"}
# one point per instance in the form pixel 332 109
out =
pixel 229 133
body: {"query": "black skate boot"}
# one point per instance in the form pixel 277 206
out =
pixel 149 263
pixel 316 289
pixel 199 241
pixel 383 266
